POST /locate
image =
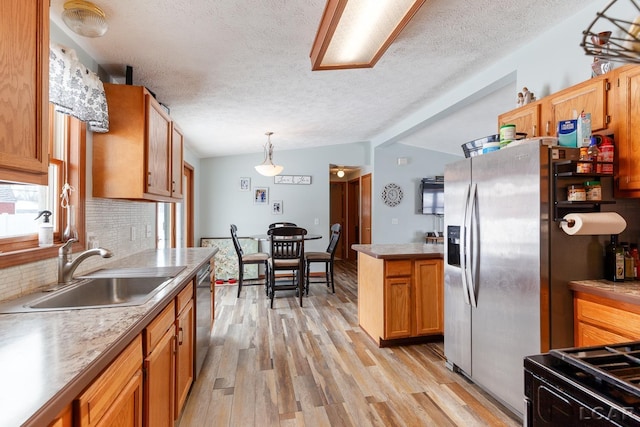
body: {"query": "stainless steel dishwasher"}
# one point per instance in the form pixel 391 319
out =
pixel 204 320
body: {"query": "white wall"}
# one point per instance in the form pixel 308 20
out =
pixel 222 203
pixel 404 223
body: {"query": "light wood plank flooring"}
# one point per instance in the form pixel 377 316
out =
pixel 313 366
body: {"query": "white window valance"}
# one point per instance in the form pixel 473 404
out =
pixel 75 90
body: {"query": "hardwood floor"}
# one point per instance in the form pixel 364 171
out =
pixel 313 366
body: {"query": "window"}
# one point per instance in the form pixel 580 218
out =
pixel 20 204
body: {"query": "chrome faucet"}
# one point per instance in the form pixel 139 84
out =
pixel 66 266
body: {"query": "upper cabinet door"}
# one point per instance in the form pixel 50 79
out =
pixel 177 144
pixel 589 96
pixel 24 90
pixel 627 130
pixel 158 149
pixel 526 119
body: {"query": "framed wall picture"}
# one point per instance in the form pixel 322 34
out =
pixel 245 184
pixel 260 196
pixel 276 207
pixel 292 179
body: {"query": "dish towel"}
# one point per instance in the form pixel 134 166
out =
pixel 75 90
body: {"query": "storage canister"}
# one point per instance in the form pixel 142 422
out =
pixel 593 190
pixel 507 132
pixel 576 193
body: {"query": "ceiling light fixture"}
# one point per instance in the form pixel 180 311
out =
pixel 267 168
pixel 355 33
pixel 340 173
pixel 85 18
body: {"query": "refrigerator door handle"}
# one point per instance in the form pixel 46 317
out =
pixel 469 244
pixel 463 255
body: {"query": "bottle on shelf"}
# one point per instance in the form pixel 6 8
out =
pixel 628 262
pixel 614 260
pixel 636 260
pixel 606 155
pixel 593 152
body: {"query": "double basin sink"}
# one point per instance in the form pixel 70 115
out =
pixel 104 288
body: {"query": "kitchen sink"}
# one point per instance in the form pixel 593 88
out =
pixel 103 288
pixel 102 291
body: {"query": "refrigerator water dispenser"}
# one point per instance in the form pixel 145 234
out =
pixel 453 245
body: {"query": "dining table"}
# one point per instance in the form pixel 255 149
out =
pixel 265 237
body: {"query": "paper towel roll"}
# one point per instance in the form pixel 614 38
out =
pixel 593 223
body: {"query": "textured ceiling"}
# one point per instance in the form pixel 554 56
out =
pixel 230 70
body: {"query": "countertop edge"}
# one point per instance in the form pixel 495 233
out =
pixel 65 395
pixel 606 289
pixel 401 251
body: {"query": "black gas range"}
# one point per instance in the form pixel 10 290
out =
pixel 588 386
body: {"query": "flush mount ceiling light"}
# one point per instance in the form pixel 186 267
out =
pixel 340 173
pixel 85 18
pixel 267 168
pixel 355 33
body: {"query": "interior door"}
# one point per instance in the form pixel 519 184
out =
pixel 352 234
pixel 337 209
pixel 365 210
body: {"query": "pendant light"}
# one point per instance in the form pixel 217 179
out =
pixel 85 18
pixel 267 168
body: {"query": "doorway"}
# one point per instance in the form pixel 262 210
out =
pixel 345 207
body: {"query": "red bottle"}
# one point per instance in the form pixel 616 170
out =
pixel 606 155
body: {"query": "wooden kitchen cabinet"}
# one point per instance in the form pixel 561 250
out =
pixel 65 419
pixel 414 298
pixel 159 365
pixel 400 298
pixel 115 397
pixel 24 110
pixel 626 130
pixel 177 161
pixel 169 360
pixel 599 320
pixel 429 297
pixel 135 159
pixel 185 332
pixel 526 119
pixel 589 96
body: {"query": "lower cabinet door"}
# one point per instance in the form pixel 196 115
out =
pixel 184 356
pixel 429 297
pixel 159 382
pixel 126 411
pixel 397 307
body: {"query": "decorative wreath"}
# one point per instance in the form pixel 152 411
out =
pixel 392 195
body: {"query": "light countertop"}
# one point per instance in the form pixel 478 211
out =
pixel 628 292
pixel 48 358
pixel 401 250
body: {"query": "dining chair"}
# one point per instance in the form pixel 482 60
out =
pixel 254 258
pixel 287 254
pixel 282 224
pixel 326 257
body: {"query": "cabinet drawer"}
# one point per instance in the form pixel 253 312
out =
pixel 184 297
pixel 156 329
pixel 614 319
pixel 395 268
pixel 96 400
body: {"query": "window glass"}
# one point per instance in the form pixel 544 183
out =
pixel 20 204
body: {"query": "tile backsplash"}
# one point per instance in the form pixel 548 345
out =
pixel 112 222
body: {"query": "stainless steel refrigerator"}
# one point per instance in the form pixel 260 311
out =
pixel 507 265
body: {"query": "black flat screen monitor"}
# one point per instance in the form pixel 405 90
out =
pixel 432 197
